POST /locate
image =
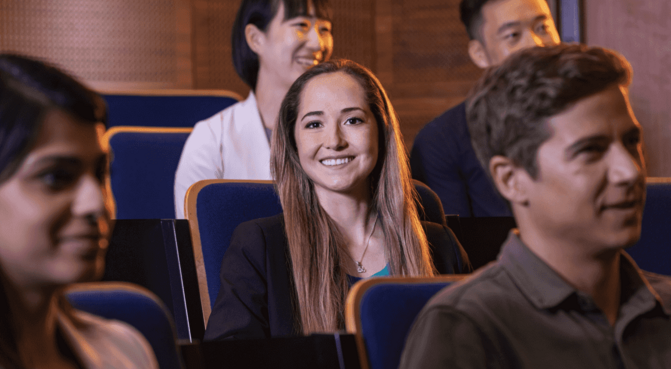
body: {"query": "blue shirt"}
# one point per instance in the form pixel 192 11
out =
pixel 443 158
pixel 382 273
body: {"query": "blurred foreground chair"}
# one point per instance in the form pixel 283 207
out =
pixel 143 162
pixel 653 251
pixel 380 312
pixel 166 108
pixel 135 306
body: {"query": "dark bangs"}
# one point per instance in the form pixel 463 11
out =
pixel 300 8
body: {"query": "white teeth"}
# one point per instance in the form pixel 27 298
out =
pixel 332 162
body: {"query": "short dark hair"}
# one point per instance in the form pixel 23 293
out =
pixel 470 12
pixel 29 89
pixel 508 109
pixel 260 13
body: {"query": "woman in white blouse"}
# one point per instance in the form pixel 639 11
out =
pixel 274 42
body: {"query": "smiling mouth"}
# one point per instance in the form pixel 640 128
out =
pixel 625 205
pixel 337 161
pixel 307 61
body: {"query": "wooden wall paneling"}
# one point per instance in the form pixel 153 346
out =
pixel 212 23
pixel 431 68
pixel 354 31
pixel 641 30
pixel 112 44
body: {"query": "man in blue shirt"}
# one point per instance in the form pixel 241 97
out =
pixel 442 155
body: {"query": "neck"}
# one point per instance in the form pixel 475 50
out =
pixel 35 316
pixel 350 213
pixel 596 275
pixel 269 96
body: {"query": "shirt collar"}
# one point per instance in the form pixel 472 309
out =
pixel 546 289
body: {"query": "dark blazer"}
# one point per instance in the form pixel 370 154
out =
pixel 255 298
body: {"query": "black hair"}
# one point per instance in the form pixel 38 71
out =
pixel 470 12
pixel 260 13
pixel 28 90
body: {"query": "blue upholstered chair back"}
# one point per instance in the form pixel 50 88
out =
pixel 653 250
pixel 216 207
pixel 178 108
pixel 142 170
pixel 380 312
pixel 135 306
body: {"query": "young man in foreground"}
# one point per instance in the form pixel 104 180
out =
pixel 555 129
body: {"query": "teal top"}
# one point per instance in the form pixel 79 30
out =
pixel 382 273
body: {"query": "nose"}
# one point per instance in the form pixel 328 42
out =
pixel 626 167
pixel 334 139
pixel 318 41
pixel 89 201
pixel 532 39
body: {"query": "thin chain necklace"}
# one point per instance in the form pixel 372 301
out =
pixel 359 268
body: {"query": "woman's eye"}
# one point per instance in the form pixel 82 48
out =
pixel 302 25
pixel 313 125
pixel 58 179
pixel 353 120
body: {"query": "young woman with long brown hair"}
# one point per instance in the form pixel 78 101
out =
pixel 54 225
pixel 342 175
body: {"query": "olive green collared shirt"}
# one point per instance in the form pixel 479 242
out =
pixel 519 313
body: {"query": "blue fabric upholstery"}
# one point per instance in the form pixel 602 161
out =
pixel 142 173
pixel 220 208
pixel 653 250
pixel 387 313
pixel 163 111
pixel 135 306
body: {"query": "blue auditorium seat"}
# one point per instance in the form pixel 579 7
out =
pixel 215 208
pixel 166 108
pixel 133 305
pixel 142 170
pixel 380 312
pixel 653 250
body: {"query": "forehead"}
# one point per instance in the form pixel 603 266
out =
pixel 335 90
pixel 290 9
pixel 62 134
pixel 604 114
pixel 499 12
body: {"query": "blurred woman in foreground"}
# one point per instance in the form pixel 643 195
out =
pixel 54 226
pixel 342 175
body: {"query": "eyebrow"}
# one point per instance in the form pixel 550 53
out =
pixel 575 147
pixel 320 113
pixel 512 24
pixel 65 160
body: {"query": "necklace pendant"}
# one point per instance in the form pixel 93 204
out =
pixel 360 268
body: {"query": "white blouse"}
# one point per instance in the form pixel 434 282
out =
pixel 232 144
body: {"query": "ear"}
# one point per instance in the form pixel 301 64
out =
pixel 255 38
pixel 509 179
pixel 478 54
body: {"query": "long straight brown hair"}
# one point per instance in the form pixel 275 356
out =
pixel 316 247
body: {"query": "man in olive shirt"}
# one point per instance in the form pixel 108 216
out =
pixel 555 130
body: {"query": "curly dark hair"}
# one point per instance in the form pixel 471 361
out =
pixel 508 108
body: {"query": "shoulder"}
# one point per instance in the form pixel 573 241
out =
pixel 256 237
pixel 451 121
pixel 269 225
pixel 115 342
pixel 662 286
pixel 488 289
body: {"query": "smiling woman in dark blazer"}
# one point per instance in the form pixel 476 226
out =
pixel 342 175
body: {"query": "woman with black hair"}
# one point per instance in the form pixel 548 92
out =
pixel 54 225
pixel 274 42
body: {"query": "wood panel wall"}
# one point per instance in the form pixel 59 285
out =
pixel 640 31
